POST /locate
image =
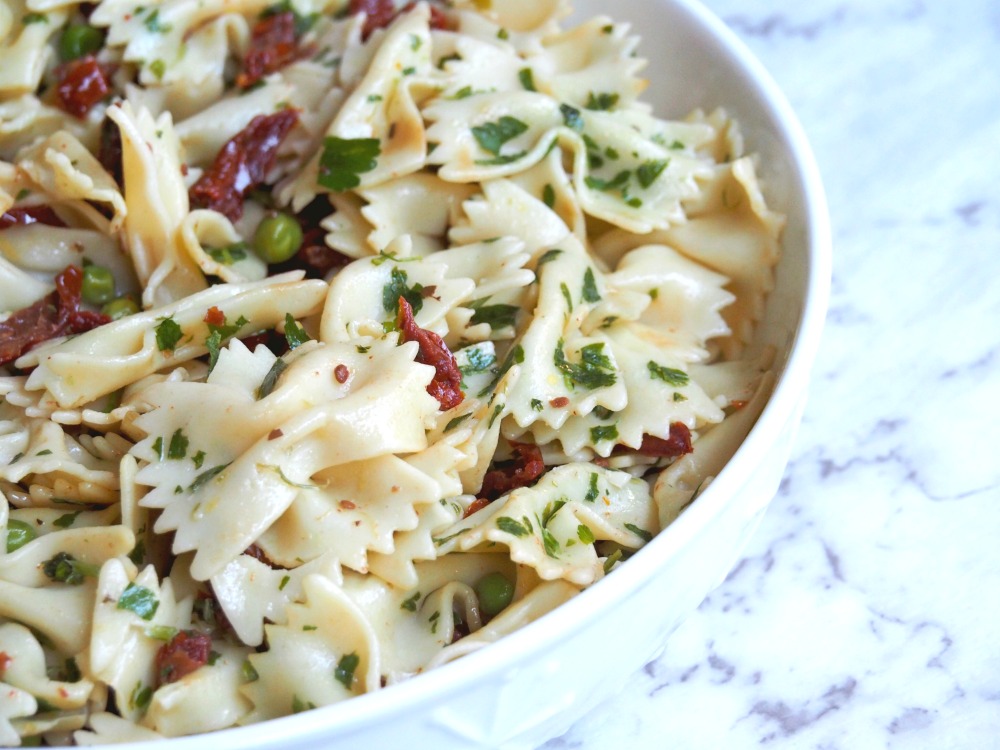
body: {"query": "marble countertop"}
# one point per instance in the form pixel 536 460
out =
pixel 861 614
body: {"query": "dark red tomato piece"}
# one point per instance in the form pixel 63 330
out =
pixel 273 45
pixel 526 467
pixel 25 215
pixel 182 655
pixel 56 314
pixel 677 444
pixel 446 385
pixel 80 84
pixel 242 164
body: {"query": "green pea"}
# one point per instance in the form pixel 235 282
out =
pixel 78 40
pixel 120 307
pixel 98 285
pixel 277 238
pixel 495 592
pixel 18 534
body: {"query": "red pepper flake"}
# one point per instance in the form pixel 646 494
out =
pixel 559 402
pixel 275 434
pixel 5 661
pixel 475 506
pixel 56 314
pixel 182 655
pixel 347 505
pixel 522 471
pixel 242 164
pixel 80 84
pixel 341 373
pixel 24 215
pixel 446 385
pixel 677 444
pixel 215 317
pixel 737 404
pixel 272 46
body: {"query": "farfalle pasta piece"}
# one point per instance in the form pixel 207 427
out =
pixel 552 526
pixel 25 669
pixel 24 37
pixel 119 353
pixel 326 653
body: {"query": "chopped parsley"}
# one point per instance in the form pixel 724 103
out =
pixel 619 180
pixel 678 396
pixel 218 334
pixel 295 334
pixel 603 432
pixel 611 559
pixel 536 404
pixel 271 379
pixel 299 705
pixel 668 375
pixel 550 543
pixel 496 316
pixel 343 159
pixel 168 334
pixel 66 520
pixel 593 371
pixel 551 509
pixel 30 18
pixel 140 600
pixel 163 633
pixel 64 568
pixel 178 445
pixel 344 673
pixel 452 424
pixel 283 582
pixel 158 68
pixel 527 78
pixel 496 413
pixel 500 160
pixel 584 534
pixel 229 254
pixel 648 171
pixel 199 459
pixel 397 288
pixel 410 604
pixel 206 476
pixel 140 696
pixel 602 101
pixel 592 492
pixel 641 533
pixel 515 356
pixel 249 673
pixel 547 256
pixel 479 361
pixel 491 136
pixel 571 117
pixel 153 23
pixel 514 528
pixel 566 295
pixel 590 293
pixel 549 195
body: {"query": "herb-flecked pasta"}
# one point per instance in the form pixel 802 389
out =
pixel 339 340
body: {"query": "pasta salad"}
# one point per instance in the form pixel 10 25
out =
pixel 339 339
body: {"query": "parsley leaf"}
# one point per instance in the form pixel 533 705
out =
pixel 206 476
pixel 668 374
pixel 397 288
pixel 492 135
pixel 452 424
pixel 603 432
pixel 571 117
pixel 593 371
pixel 584 534
pixel 566 295
pixel 64 568
pixel 497 316
pixel 547 256
pixel 29 18
pixel 66 520
pixel 479 361
pixel 168 334
pixel 295 334
pixel 344 673
pixel 343 159
pixel 527 78
pixel 229 254
pixel 605 100
pixel 641 533
pixel 592 491
pixel 510 526
pixel 140 600
pixel 502 159
pixel 410 604
pixel 152 23
pixel 619 180
pixel 178 445
pixel 648 171
pixel 271 379
pixel 590 293
pixel 549 195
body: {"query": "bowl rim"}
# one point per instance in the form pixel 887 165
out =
pixel 349 716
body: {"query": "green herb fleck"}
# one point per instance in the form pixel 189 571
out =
pixel 610 560
pixel 597 183
pixel 496 413
pixel 163 633
pixel 343 159
pixel 344 673
pixel 566 295
pixel 249 673
pixel 571 117
pixel 410 604
pixel 158 68
pixel 30 18
pixel 479 361
pixel 593 371
pixel 284 582
pixel 549 195
pixel 668 375
pixel 168 333
pixel 271 379
pixel 527 78
pixel 178 445
pixel 64 568
pixel 295 334
pixel 299 705
pixel 678 396
pixel 648 171
pixel 592 492
pixel 140 696
pixel 452 424
pixel 590 293
pixel 206 476
pixel 152 23
pixel 641 533
pixel 229 254
pixel 492 135
pixel 510 526
pixel 67 520
pixel 536 404
pixel 500 160
pixel 603 432
pixel 397 288
pixel 602 101
pixel 547 256
pixel 497 316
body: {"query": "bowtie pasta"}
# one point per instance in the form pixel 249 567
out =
pixel 340 339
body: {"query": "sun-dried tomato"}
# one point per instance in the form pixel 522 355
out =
pixel 5 662
pixel 182 655
pixel 475 506
pixel 110 151
pixel 259 555
pixel 242 164
pixel 378 14
pixel 82 83
pixel 446 385
pixel 24 215
pixel 677 444
pixel 56 314
pixel 522 471
pixel 274 341
pixel 273 45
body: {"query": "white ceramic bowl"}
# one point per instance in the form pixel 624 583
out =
pixel 535 683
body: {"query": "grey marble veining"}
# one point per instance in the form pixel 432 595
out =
pixel 863 614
